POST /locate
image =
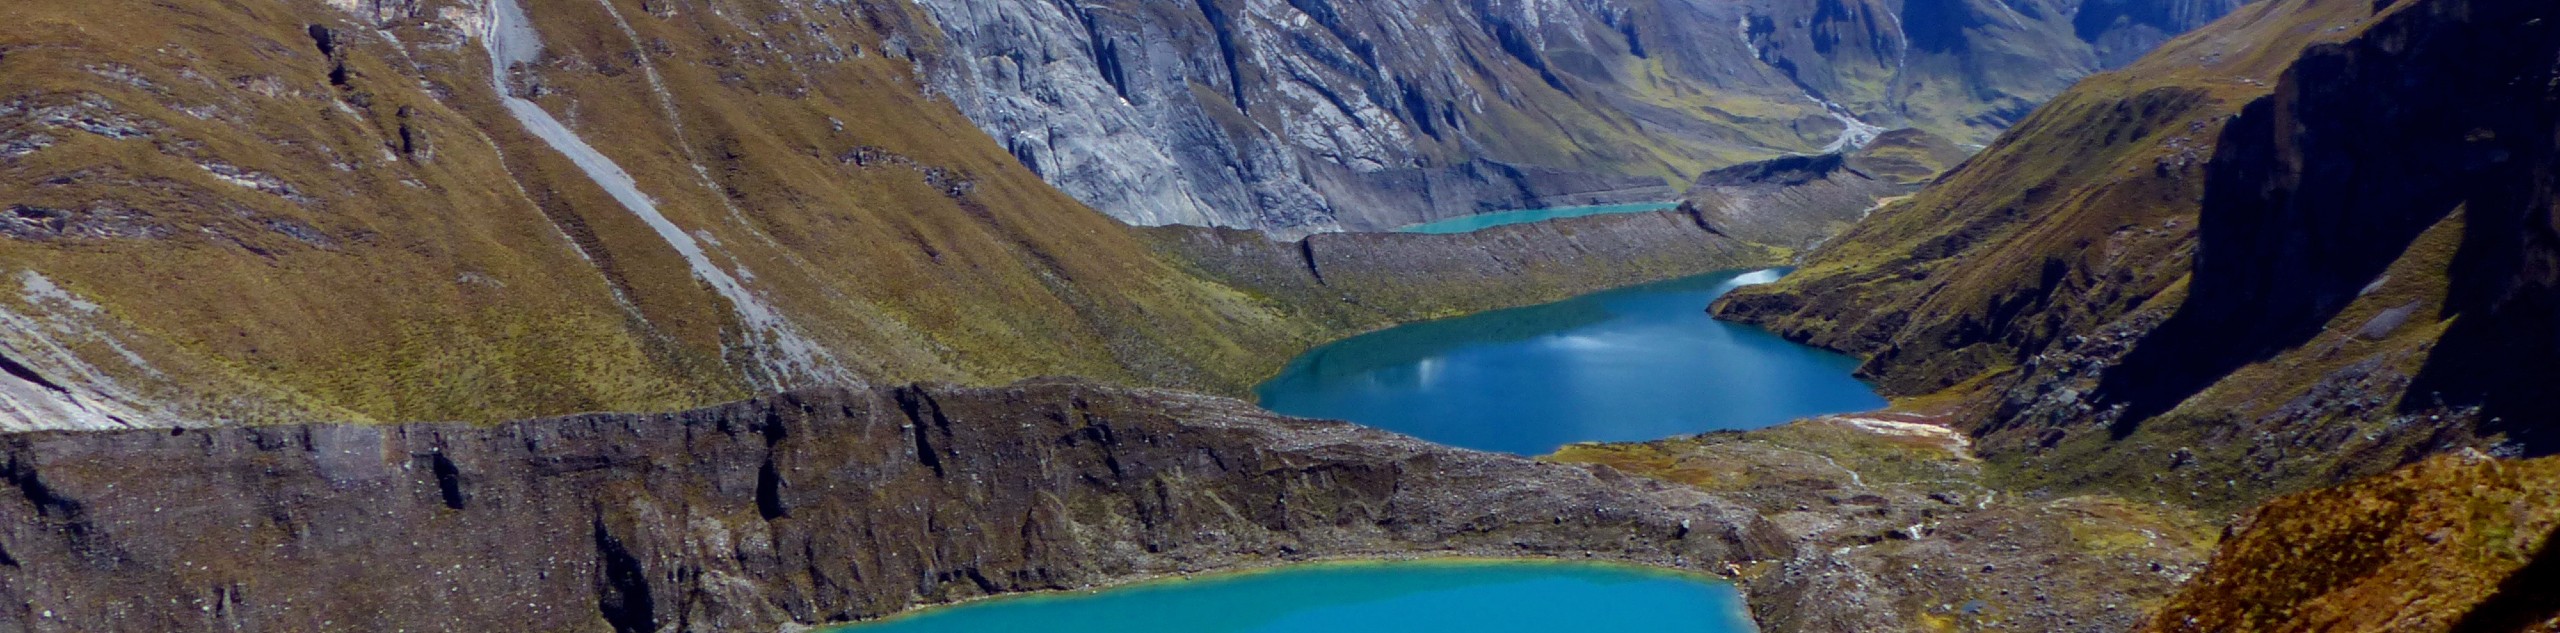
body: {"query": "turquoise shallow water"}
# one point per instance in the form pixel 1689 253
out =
pixel 1371 598
pixel 1482 221
pixel 1635 364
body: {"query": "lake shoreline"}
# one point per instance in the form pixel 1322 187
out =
pixel 1706 571
pixel 1629 364
pixel 1341 285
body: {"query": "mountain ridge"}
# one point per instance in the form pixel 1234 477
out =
pixel 348 212
pixel 2304 291
pixel 1305 116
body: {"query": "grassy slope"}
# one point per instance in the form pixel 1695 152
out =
pixel 371 320
pixel 2079 224
pixel 2107 163
pixel 481 276
pixel 448 287
pixel 2053 250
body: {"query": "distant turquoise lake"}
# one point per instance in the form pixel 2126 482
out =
pixel 1403 597
pixel 1635 364
pixel 1483 221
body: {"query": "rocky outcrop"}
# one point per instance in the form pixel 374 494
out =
pixel 1310 116
pixel 2460 544
pixel 806 508
pixel 1897 529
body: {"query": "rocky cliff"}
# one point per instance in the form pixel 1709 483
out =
pixel 1311 116
pixel 1898 528
pixel 806 508
pixel 2297 247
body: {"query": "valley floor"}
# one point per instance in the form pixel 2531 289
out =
pixel 1895 527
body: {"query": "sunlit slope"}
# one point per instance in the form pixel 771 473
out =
pixel 2451 544
pixel 264 211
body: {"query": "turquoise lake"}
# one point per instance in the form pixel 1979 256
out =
pixel 1420 597
pixel 1638 363
pixel 1635 364
pixel 1482 221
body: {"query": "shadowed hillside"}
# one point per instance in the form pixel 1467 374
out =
pixel 2299 246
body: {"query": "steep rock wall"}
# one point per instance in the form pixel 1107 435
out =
pixel 1311 116
pixel 2291 249
pixel 805 508
pixel 2319 188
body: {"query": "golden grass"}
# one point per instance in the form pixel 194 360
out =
pixel 495 282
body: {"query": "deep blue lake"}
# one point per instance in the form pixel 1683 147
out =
pixel 1635 364
pixel 1418 597
pixel 1480 221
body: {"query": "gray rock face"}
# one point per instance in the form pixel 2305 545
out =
pixel 2122 30
pixel 1291 116
pixel 805 508
pixel 1301 116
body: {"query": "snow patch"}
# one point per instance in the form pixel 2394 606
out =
pixel 1955 442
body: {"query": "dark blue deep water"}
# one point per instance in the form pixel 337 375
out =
pixel 1521 597
pixel 1640 363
